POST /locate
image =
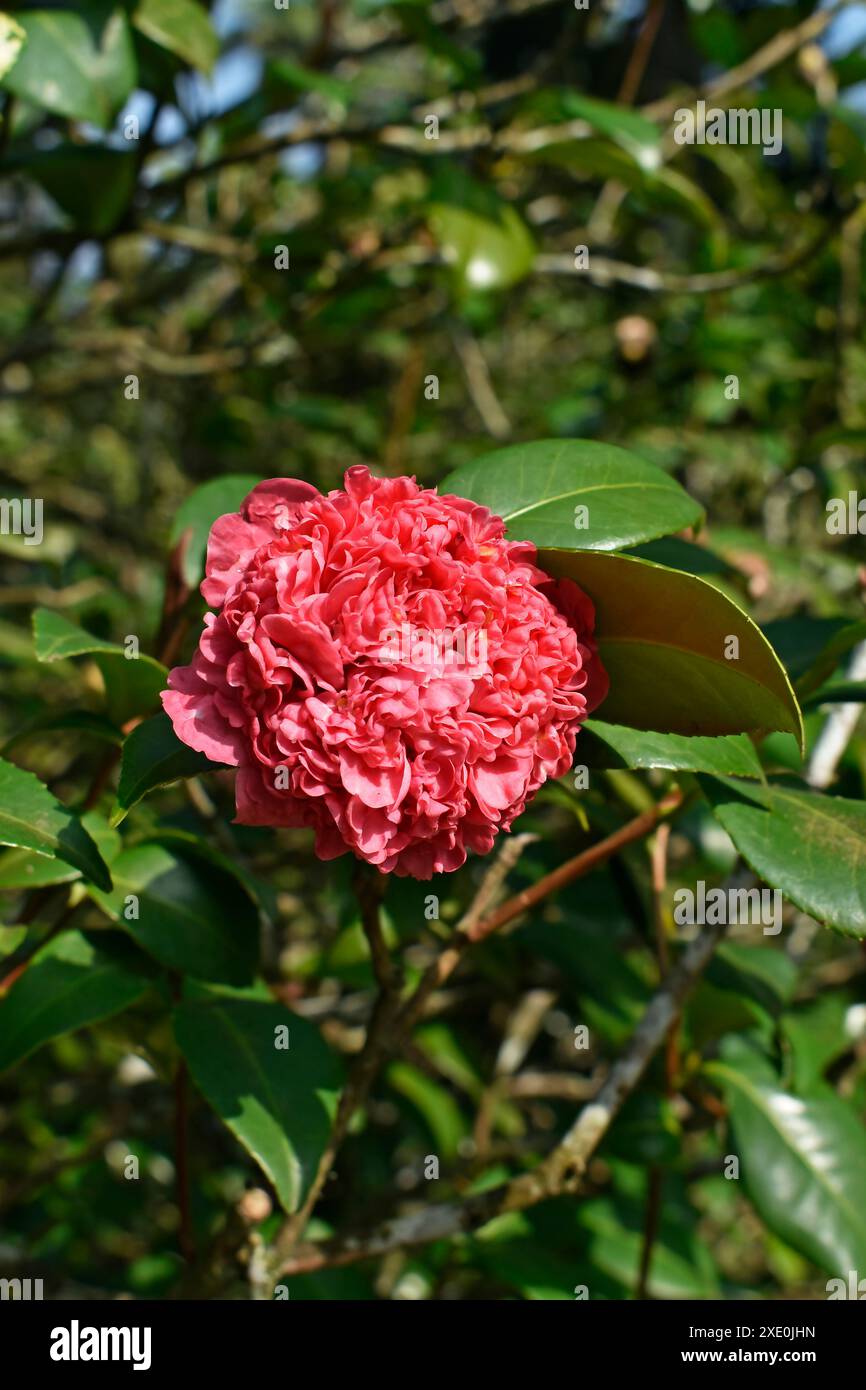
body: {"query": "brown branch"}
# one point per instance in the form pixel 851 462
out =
pixel 561 1172
pixel 472 930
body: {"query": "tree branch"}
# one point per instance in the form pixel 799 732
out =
pixel 562 1171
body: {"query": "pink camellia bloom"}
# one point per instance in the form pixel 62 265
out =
pixel 385 667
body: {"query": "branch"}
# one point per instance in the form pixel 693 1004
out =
pixel 562 1171
pixel 474 928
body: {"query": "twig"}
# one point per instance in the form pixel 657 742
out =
pixel 603 271
pixel 369 888
pixel 478 379
pixel 181 1161
pixel 561 1172
pixel 475 930
pixel 780 47
pixel 640 53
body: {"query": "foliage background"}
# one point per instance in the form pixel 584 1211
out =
pixel 412 258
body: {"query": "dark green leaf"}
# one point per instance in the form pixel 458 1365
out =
pixel 663 637
pixel 837 693
pixel 94 185
pixel 70 982
pixel 153 756
pixel 132 684
pixel 278 1102
pixel 802 1162
pixel 810 846
pixel 21 868
pixel 31 819
pixel 191 918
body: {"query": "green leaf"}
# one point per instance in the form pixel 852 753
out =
pixel 181 26
pixel 278 1102
pixel 623 747
pixel 486 254
pixel 802 1163
pixel 12 38
pixel 200 511
pixel 678 554
pixel 811 847
pixel 92 184
pixel 192 918
pixel 132 684
pixel 70 982
pixel 31 819
pixel 153 756
pixel 482 237
pixel 80 66
pixel 662 636
pixel 537 489
pixel 837 693
pixel 765 974
pixel 816 1034
pixel 438 1108
pixel 21 868
pixel 77 721
pixel 627 127
pixel 825 662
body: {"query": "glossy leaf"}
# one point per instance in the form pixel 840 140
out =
pixel 539 489
pixel 615 745
pixel 802 1163
pixel 132 684
pixel 663 636
pixel 153 756
pixel 277 1101
pixel 32 819
pixel 75 66
pixel 72 981
pixel 190 918
pixel 487 254
pixel 22 868
pixel 811 847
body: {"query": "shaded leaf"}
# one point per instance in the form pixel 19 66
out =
pixel 663 636
pixel 132 684
pixel 22 868
pixel 71 981
pixel 191 918
pixel 31 819
pixel 802 1163
pixel 153 756
pixel 278 1102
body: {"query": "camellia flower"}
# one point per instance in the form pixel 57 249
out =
pixel 385 667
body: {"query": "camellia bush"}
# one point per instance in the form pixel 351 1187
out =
pixel 433 778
